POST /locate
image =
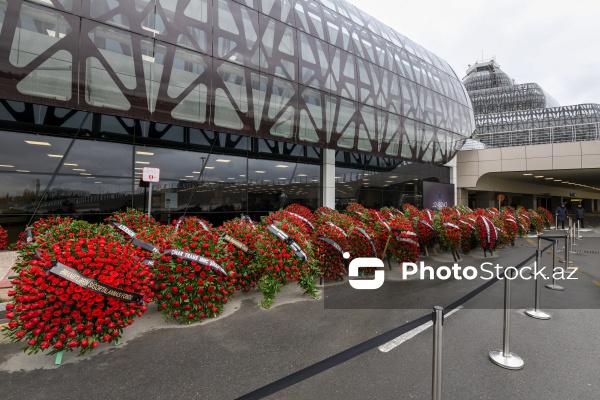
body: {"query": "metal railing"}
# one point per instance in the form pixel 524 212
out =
pixel 528 137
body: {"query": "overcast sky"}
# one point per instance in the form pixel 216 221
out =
pixel 553 43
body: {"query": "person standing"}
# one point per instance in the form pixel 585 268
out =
pixel 579 214
pixel 561 215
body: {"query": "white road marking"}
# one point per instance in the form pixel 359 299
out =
pixel 392 344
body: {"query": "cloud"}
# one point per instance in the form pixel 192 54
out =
pixel 554 44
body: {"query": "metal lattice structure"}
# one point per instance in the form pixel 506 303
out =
pixel 315 73
pixel 509 114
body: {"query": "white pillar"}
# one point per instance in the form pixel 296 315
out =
pixel 328 178
pixel 452 164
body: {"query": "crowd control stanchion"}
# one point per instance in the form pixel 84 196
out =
pixel 436 380
pixel 536 312
pixel 504 358
pixel 578 230
pixel 566 261
pixel 556 220
pixel 554 286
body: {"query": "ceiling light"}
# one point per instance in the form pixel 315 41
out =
pixel 539 176
pixel 231 179
pixel 558 180
pixel 22 170
pixel 84 174
pixel 140 169
pixel 97 182
pixel 7 166
pixel 70 165
pixel 527 174
pixel 223 160
pixel 38 143
pixel 144 153
pixel 410 183
pixel 90 177
pixel 301 175
pixel 282 178
pixel 209 167
pixel 142 162
pixel 393 177
pixel 55 155
pixel 243 176
pixel 261 172
pixel 281 166
pixel 189 176
pixel 78 169
pixel 549 179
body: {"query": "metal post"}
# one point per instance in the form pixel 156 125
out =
pixel 573 234
pixel 539 241
pixel 150 200
pixel 504 358
pixel 578 230
pixel 567 250
pixel 436 381
pixel 554 286
pixel 536 312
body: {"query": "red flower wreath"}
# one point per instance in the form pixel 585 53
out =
pixel 537 221
pixel 523 220
pixel 330 243
pixel 291 218
pixel 511 226
pixel 404 244
pixel 280 263
pixel 448 232
pixel 189 290
pixel 302 211
pixel 51 312
pixel 486 232
pixel 3 238
pixel 410 211
pixel 546 216
pixel 468 238
pixel 245 232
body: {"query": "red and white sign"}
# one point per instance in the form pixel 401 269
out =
pixel 151 174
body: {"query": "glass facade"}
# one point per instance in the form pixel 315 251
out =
pixel 234 101
pixel 316 73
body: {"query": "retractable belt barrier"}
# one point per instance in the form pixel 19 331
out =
pixel 379 340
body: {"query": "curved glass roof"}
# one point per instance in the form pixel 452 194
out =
pixel 320 73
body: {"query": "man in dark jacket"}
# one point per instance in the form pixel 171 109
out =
pixel 561 215
pixel 579 214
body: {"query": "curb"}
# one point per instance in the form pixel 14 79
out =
pixel 2 311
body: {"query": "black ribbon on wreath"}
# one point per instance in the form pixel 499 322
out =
pixel 72 275
pixel 285 238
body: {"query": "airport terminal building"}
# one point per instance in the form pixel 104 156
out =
pixel 537 153
pixel 244 106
